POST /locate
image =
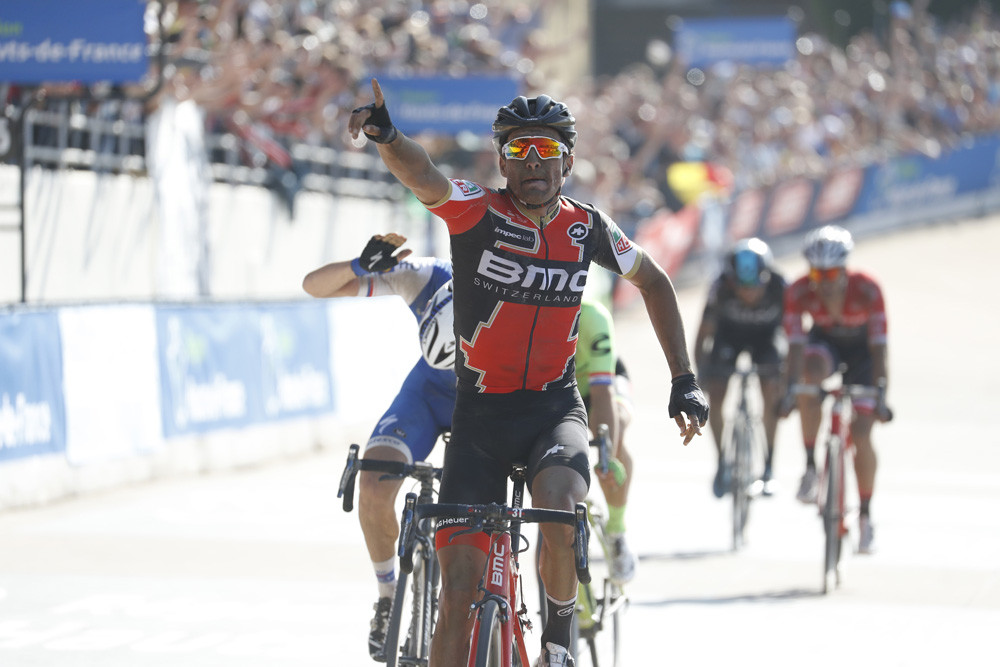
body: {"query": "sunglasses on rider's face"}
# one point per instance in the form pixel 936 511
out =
pixel 517 149
pixel 825 275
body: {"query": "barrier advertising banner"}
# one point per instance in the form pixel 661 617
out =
pixel 911 187
pixel 32 411
pixel 446 105
pixel 72 40
pixel 224 366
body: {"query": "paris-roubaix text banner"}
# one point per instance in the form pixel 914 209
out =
pixel 72 40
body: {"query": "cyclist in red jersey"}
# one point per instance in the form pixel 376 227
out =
pixel 520 257
pixel 848 327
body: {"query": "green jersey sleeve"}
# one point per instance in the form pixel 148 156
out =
pixel 595 347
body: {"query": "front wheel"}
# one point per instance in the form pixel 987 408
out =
pixel 489 637
pixel 742 479
pixel 602 634
pixel 833 516
pixel 407 640
pixel 396 619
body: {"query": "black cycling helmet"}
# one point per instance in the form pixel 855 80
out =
pixel 541 111
pixel 749 263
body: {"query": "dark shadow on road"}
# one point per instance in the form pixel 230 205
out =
pixel 763 597
pixel 682 555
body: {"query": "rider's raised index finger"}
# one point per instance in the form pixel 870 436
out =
pixel 377 90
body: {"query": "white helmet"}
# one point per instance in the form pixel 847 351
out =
pixel 437 329
pixel 828 247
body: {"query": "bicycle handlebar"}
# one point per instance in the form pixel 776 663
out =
pixel 493 517
pixel 397 469
pixel 852 391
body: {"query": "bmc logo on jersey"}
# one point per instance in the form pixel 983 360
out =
pixel 468 188
pixel 529 276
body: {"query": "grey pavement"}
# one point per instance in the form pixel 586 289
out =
pixel 261 567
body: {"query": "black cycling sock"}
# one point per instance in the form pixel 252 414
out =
pixel 865 504
pixel 811 456
pixel 560 619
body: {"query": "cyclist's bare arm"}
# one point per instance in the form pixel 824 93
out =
pixel 332 280
pixel 337 279
pixel 880 367
pixel 706 332
pixel 405 158
pixel 796 352
pixel 661 305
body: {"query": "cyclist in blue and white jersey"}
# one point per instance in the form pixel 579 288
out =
pixel 422 409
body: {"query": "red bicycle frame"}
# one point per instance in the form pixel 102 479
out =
pixel 502 575
pixel 841 414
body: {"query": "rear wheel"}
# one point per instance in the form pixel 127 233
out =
pixel 489 638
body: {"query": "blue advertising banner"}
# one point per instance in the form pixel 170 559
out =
pixel 910 187
pixel 225 366
pixel 446 105
pixel 32 411
pixel 295 359
pixel 755 41
pixel 916 181
pixel 72 40
pixel 209 367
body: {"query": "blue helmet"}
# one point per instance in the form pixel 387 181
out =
pixel 749 263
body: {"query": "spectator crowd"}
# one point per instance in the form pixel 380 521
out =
pixel 284 72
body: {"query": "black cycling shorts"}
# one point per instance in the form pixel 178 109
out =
pixel 855 354
pixel 725 349
pixel 491 432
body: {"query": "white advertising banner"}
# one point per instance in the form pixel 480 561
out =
pixel 111 380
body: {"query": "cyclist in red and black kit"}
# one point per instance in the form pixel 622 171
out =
pixel 848 327
pixel 520 257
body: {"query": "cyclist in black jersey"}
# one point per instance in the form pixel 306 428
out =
pixel 743 312
pixel 520 257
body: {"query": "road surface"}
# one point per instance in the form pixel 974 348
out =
pixel 261 567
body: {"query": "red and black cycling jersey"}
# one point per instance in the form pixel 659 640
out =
pixel 518 286
pixel 862 321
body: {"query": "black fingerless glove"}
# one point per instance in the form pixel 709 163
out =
pixel 377 257
pixel 379 118
pixel 686 396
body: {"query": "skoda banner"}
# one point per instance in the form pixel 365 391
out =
pixel 72 40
